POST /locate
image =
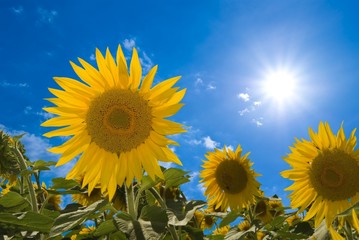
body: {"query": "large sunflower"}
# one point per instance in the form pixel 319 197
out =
pixel 116 119
pixel 229 179
pixel 325 174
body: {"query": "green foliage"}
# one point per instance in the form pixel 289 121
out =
pixel 161 209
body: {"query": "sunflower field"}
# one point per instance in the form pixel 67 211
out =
pixel 115 126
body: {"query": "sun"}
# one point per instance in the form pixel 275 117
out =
pixel 279 85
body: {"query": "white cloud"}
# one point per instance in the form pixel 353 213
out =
pixel 198 81
pixel 129 44
pixel 257 103
pixel 19 10
pixel 7 84
pixel 193 175
pixel 45 115
pixel 194 142
pixel 230 147
pixel 46 16
pixel 243 111
pixel 201 188
pixel 166 164
pixel 258 122
pixel 244 96
pixel 146 62
pixel 209 143
pixel 211 86
pixel 27 109
pixel 92 57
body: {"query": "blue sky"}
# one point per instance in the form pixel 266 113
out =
pixel 224 50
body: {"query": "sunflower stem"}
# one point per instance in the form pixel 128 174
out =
pixel 30 186
pixel 131 202
pixel 171 228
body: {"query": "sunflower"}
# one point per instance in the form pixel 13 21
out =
pixel 325 174
pixel 9 166
pixel 262 211
pixel 244 226
pixel 116 121
pixel 293 219
pixel 275 207
pixel 203 220
pixel 222 231
pixel 229 179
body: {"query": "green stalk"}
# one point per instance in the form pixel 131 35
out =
pixel 158 197
pixel 131 202
pixel 23 167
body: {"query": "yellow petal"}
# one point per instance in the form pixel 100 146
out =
pixel 148 80
pixel 135 70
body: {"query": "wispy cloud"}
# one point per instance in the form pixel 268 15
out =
pixel 92 57
pixel 193 175
pixel 17 85
pixel 244 96
pixel 257 103
pixel 258 122
pixel 45 115
pixel 27 109
pixel 46 16
pixel 243 111
pixel 18 10
pixel 128 44
pixel 209 143
pixel 194 142
pixel 201 84
pixel 146 61
pixel 211 86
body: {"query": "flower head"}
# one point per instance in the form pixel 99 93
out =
pixel 325 172
pixel 229 179
pixel 116 120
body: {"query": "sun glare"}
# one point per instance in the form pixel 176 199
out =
pixel 279 85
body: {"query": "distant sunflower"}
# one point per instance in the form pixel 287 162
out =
pixel 325 174
pixel 229 179
pixel 117 121
pixel 204 221
pixel 244 226
pixel 262 211
pixel 222 231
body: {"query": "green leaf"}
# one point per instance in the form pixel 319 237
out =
pixel 50 213
pixel 175 177
pixel 289 235
pixel 13 202
pixel 276 222
pixel 229 218
pixel 105 228
pixel 43 165
pixel 304 227
pixel 18 137
pixel 27 221
pixel 215 237
pixel 234 233
pixel 62 183
pixel 156 216
pixel 69 220
pixel 180 216
pixel 147 183
pixel 194 233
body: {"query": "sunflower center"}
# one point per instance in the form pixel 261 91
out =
pixel 231 176
pixel 334 175
pixel 331 177
pixel 261 208
pixel 119 120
